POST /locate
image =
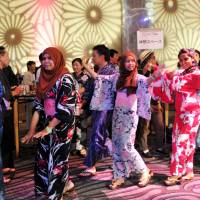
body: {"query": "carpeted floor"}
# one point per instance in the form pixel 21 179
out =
pixel 21 188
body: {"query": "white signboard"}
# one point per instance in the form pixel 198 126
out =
pixel 150 39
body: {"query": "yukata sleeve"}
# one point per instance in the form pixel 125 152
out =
pixel 89 88
pixel 162 89
pixel 143 98
pixel 109 78
pixel 38 105
pixel 196 80
pixel 66 99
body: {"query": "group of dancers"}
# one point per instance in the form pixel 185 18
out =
pixel 120 96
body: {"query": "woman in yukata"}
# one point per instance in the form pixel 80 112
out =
pixel 132 101
pixel 181 87
pixel 54 117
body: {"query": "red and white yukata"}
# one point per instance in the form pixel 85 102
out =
pixel 182 89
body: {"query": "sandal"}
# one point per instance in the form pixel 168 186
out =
pixel 173 180
pixel 116 183
pixel 145 178
pixel 87 173
pixel 188 177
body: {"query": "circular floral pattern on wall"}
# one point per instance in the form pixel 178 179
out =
pixel 4 9
pixel 188 38
pixel 84 44
pixel 47 36
pixel 17 35
pixel 192 14
pixel 38 10
pixel 170 39
pixel 168 11
pixel 100 16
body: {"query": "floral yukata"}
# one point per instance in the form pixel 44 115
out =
pixel 102 105
pixel 51 168
pixel 127 110
pixel 183 89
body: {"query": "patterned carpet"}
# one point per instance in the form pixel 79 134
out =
pixel 21 188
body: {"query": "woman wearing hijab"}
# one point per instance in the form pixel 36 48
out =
pixel 54 108
pixel 132 101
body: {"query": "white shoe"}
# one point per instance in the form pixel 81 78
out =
pixel 69 186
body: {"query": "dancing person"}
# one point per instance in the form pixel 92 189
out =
pixel 82 80
pixel 54 109
pixel 8 139
pixel 181 87
pixel 148 65
pixel 102 105
pixel 132 101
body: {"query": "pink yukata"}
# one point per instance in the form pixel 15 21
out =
pixel 183 89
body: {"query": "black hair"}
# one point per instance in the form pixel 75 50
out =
pixel 29 63
pixel 96 68
pixel 41 57
pixel 102 50
pixel 77 60
pixel 197 51
pixel 2 50
pixel 113 52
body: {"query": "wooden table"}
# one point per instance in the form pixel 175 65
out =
pixel 19 99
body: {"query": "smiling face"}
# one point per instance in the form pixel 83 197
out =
pixel 185 61
pixel 47 62
pixel 77 67
pixel 130 63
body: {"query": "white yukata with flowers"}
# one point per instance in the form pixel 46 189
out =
pixel 127 110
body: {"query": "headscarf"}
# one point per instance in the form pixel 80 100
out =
pixel 127 79
pixel 48 78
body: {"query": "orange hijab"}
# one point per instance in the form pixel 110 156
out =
pixel 127 79
pixel 48 78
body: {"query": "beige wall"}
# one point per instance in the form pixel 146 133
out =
pixel 27 27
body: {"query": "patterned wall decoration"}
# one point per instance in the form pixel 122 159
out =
pixel 27 27
pixel 180 20
pixel 17 35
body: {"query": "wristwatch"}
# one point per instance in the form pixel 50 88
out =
pixel 49 129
